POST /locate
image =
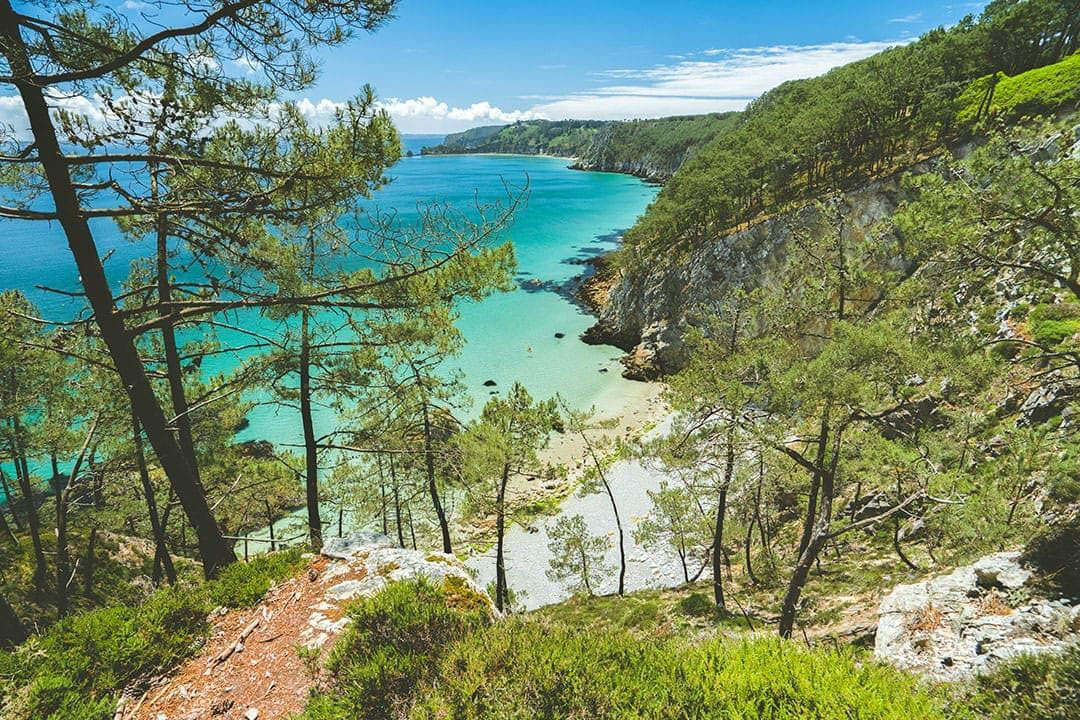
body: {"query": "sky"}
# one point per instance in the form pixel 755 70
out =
pixel 441 66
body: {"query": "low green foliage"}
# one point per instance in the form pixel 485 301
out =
pixel 1030 687
pixel 1035 91
pixel 244 584
pixel 521 668
pixel 74 669
pixel 1055 551
pixel 391 646
pixel 1051 325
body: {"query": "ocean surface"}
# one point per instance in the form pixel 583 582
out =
pixel 570 216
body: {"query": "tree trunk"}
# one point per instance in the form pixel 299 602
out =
pixel 9 498
pixel 212 546
pixel 88 563
pixel 721 511
pixel 311 452
pixel 162 547
pixel 270 525
pixel 433 490
pixel 5 528
pixel 12 631
pixel 500 528
pixel 40 568
pixel 397 504
pixel 172 354
pixel 615 510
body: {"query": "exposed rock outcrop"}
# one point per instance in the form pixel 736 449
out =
pixel 955 625
pixel 648 311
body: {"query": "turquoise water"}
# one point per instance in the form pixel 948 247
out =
pixel 570 215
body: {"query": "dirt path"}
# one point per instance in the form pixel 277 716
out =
pixel 250 667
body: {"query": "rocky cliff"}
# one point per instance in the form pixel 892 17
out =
pixel 647 312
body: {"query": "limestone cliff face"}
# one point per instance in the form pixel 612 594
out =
pixel 648 312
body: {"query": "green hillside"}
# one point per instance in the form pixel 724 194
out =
pixel 809 137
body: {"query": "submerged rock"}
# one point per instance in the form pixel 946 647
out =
pixel 490 383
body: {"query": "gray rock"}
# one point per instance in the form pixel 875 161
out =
pixel 958 624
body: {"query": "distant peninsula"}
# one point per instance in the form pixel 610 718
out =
pixel 649 149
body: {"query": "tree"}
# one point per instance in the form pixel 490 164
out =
pixel 105 55
pixel 711 398
pixel 677 521
pixel 502 447
pixel 597 447
pixel 577 555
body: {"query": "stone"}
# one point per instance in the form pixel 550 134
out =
pixel 559 335
pixel 490 383
pixel 957 624
pixel 251 714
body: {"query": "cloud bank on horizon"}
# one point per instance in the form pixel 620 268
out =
pixel 713 80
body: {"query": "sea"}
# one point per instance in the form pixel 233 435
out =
pixel 530 335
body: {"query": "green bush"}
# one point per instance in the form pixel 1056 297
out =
pixel 697 604
pixel 244 584
pixel 75 668
pixel 392 644
pixel 1055 551
pixel 1050 325
pixel 521 668
pixel 1030 687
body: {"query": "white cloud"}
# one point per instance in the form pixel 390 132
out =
pixel 715 80
pixel 913 17
pixel 426 114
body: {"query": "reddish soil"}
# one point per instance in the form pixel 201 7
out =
pixel 264 671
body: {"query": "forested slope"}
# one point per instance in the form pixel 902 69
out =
pixel 651 149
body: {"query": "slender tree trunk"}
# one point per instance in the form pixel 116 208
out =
pixel 721 511
pixel 311 451
pixel 9 498
pixel 5 528
pixel 63 497
pixel 500 530
pixel 818 538
pixel 162 547
pixel 433 490
pixel 88 563
pixel 212 546
pixel 747 548
pixel 41 570
pixel 585 573
pixel 12 632
pixel 615 511
pixel 172 354
pixel 412 528
pixel 397 504
pixel 270 525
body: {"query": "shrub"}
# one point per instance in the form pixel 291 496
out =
pixel 522 668
pixel 1051 325
pixel 75 668
pixel 244 584
pixel 392 643
pixel 1029 687
pixel 1055 552
pixel 697 604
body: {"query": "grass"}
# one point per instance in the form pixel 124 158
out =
pixel 1037 91
pixel 1030 687
pixel 528 668
pixel 74 669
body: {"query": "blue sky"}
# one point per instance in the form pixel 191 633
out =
pixel 446 65
pixel 441 66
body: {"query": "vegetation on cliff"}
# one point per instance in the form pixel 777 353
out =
pixel 653 149
pixel 833 132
